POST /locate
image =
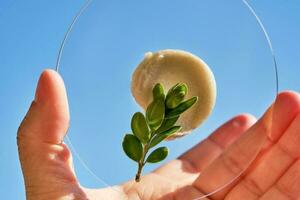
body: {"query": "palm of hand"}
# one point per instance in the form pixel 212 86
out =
pixel 48 172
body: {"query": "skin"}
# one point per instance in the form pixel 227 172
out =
pixel 275 174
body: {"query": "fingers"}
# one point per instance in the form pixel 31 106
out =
pixel 236 158
pixel 208 150
pixel 189 192
pixel 272 165
pixel 48 117
pixel 287 186
pixel 286 107
pixel 201 155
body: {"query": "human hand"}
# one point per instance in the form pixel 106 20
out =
pixel 274 175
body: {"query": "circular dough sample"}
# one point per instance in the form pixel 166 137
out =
pixel 169 67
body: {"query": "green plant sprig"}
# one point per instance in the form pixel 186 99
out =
pixel 156 125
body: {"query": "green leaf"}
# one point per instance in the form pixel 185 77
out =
pixel 140 128
pixel 155 113
pixel 167 124
pixel 161 136
pixel 172 88
pixel 182 107
pixel 132 147
pixel 176 95
pixel 158 155
pixel 158 91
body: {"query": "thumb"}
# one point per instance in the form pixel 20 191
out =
pixel 48 117
pixel 45 160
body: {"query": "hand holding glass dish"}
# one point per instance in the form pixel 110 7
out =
pixel 180 78
pixel 170 67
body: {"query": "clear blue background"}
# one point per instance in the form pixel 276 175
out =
pixel 30 34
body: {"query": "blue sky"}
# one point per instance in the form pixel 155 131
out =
pixel 108 42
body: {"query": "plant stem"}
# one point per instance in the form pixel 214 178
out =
pixel 142 163
pixel 138 174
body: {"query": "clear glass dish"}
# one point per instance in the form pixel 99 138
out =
pixel 108 39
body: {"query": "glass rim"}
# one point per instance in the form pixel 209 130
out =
pixel 68 32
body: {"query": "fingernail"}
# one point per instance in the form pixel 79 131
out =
pixel 241 121
pixel 237 123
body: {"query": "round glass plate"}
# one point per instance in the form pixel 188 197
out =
pixel 109 40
